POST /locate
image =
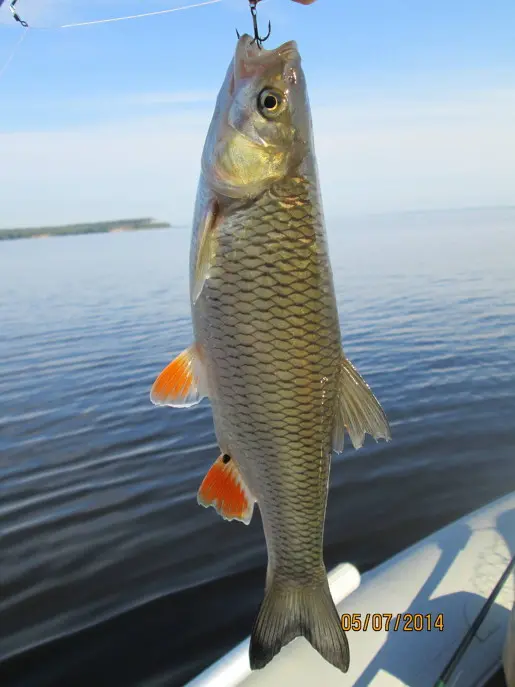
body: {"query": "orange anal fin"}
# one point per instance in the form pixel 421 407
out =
pixel 224 489
pixel 182 383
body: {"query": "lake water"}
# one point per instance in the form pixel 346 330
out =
pixel 110 572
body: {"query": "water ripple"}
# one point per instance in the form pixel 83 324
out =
pixel 98 488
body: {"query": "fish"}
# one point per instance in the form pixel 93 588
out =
pixel 267 349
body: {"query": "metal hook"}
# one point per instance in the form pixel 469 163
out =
pixel 16 16
pixel 257 38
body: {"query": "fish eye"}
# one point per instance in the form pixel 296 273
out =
pixel 269 102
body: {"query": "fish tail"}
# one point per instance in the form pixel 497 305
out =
pixel 289 612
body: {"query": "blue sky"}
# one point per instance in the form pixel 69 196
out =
pixel 413 104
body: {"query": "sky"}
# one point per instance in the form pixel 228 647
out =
pixel 413 104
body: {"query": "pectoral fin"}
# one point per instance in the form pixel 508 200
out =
pixel 182 383
pixel 224 489
pixel 206 249
pixel 358 410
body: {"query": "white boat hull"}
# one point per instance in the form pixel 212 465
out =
pixel 448 575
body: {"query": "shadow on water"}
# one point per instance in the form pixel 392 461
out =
pixel 164 642
pixel 408 644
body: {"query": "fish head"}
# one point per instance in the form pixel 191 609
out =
pixel 261 127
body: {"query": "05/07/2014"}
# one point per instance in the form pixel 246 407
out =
pixel 379 622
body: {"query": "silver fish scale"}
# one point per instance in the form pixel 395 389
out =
pixel 268 325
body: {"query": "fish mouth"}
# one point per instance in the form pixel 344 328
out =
pixel 248 46
pixel 250 58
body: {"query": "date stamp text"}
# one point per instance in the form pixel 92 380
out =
pixel 403 622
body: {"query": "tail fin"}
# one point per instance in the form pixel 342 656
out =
pixel 290 612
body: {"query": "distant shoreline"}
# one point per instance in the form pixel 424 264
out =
pixel 115 226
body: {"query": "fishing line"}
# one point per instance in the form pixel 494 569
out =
pixel 109 20
pixel 23 35
pixel 139 16
pixel 14 51
pixel 124 18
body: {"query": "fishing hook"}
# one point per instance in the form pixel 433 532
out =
pixel 257 38
pixel 16 16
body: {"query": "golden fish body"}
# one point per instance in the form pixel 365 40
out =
pixel 267 326
pixel 267 349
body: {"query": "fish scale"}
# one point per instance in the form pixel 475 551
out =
pixel 268 347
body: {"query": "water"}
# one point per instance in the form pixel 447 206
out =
pixel 110 572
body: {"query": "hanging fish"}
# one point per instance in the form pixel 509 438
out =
pixel 267 350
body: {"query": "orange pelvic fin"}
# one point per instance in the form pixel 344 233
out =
pixel 224 489
pixel 182 383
